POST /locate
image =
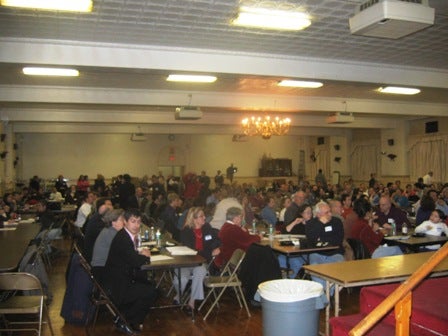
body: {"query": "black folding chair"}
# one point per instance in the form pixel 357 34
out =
pixel 99 296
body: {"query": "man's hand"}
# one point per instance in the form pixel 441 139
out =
pixel 145 251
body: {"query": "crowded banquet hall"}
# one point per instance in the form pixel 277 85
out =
pixel 224 167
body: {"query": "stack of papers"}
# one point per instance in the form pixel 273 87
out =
pixel 27 221
pixel 160 257
pixel 181 250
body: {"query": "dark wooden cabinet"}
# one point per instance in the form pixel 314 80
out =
pixel 275 167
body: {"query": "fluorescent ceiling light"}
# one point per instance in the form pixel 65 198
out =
pixel 191 78
pixel 62 5
pixel 271 19
pixel 301 84
pixel 50 72
pixel 399 90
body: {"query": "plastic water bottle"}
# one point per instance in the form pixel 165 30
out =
pixel 153 234
pixel 254 226
pixel 394 228
pixel 404 229
pixel 159 243
pixel 271 232
pixel 146 235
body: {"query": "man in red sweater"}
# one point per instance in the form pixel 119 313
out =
pixel 233 236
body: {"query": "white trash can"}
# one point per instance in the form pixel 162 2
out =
pixel 291 307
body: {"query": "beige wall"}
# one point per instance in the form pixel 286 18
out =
pixel 48 155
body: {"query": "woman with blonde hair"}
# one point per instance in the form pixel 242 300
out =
pixel 200 236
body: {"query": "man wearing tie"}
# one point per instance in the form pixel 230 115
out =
pixel 130 290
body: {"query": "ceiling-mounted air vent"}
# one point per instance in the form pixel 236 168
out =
pixel 391 19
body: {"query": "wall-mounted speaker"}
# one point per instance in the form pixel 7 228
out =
pixel 390 142
pixel 432 127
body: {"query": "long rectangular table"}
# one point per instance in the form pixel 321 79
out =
pixel 414 243
pixel 175 262
pixel 291 251
pixel 13 245
pixel 370 272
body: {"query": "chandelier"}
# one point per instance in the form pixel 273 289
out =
pixel 265 126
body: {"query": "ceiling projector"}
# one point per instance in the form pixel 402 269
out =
pixel 188 113
pixel 340 118
pixel 391 19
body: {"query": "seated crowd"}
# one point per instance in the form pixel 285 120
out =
pixel 217 222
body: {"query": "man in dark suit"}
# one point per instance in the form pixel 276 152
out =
pixel 129 288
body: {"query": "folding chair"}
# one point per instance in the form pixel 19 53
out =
pixel 360 251
pixel 32 262
pixel 227 279
pixel 99 296
pixel 23 304
pixel 187 291
pixel 77 236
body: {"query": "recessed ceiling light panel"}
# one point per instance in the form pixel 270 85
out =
pixel 35 71
pixel 271 18
pixel 191 78
pixel 399 90
pixel 62 5
pixel 301 84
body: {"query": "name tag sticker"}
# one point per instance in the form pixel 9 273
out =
pixel 328 228
pixel 208 237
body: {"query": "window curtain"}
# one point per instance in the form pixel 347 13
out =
pixel 365 160
pixel 429 153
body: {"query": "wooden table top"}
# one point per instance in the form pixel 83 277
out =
pixel 13 245
pixel 375 271
pixel 416 242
